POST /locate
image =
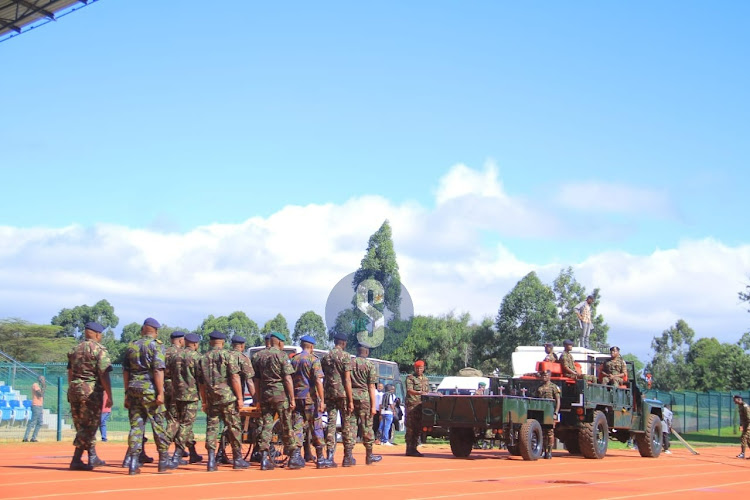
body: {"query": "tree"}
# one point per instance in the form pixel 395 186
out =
pixel 637 363
pixel 380 264
pixel 236 323
pixel 30 343
pixel 277 324
pixel 669 364
pixel 527 316
pixel 568 294
pixel 311 323
pixel 484 344
pixel 73 320
pixel 745 296
pixel 718 367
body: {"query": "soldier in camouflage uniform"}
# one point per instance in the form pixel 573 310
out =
pixel 218 375
pixel 177 339
pixel 338 394
pixel 364 377
pixel 143 377
pixel 416 385
pixel 614 371
pixel 744 410
pixel 548 390
pixel 183 368
pixel 88 378
pixel 569 365
pixel 308 394
pixel 550 356
pixel 273 380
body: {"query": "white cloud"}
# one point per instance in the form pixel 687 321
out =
pixel 601 197
pixel 289 262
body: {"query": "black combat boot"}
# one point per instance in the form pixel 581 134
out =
pixel 143 458
pixel 194 458
pixel 295 460
pixel 239 463
pixel 211 465
pixel 77 463
pixel 370 458
pixel 126 460
pixel 165 462
pixel 222 458
pixel 411 451
pixel 266 462
pixel 177 457
pixel 321 462
pixel 548 453
pixel 134 466
pixel 331 460
pixel 348 459
pixel 94 460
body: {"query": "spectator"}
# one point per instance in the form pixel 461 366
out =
pixel 583 311
pixel 37 409
pixel 376 417
pixel 666 428
pixel 386 415
pixel 106 412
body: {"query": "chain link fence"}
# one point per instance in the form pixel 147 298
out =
pixel 701 411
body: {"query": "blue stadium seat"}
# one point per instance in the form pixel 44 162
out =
pixel 14 403
pixel 3 403
pixel 4 388
pixel 6 414
pixel 26 403
pixel 9 397
pixel 20 414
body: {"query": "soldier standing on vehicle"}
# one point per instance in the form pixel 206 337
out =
pixel 308 395
pixel 143 378
pixel 184 369
pixel 218 375
pixel 88 380
pixel 548 390
pixel 177 341
pixel 583 311
pixel 550 356
pixel 364 378
pixel 338 394
pixel 416 385
pixel 744 410
pixel 614 371
pixel 276 395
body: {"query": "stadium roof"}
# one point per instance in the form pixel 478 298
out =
pixel 18 16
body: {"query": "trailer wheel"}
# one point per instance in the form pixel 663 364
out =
pixel 649 443
pixel 462 441
pixel 531 440
pixel 593 437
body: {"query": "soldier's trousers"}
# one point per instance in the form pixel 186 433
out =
pixel 143 407
pixel 170 404
pixel 228 414
pixel 548 437
pixel 745 438
pixel 361 416
pixel 86 418
pixel 187 411
pixel 413 425
pixel 306 416
pixel 268 413
pixel 612 380
pixel 336 407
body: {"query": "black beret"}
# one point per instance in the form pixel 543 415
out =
pixel 93 325
pixel 217 335
pixel 192 337
pixel 177 334
pixel 238 339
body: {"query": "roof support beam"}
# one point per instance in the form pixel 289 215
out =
pixel 34 8
pixel 6 23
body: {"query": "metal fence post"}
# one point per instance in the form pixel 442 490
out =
pixel 720 405
pixel 59 408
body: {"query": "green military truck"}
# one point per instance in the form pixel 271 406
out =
pixel 517 421
pixel 591 413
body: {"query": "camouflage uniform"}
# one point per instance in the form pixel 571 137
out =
pixel 169 401
pixel 271 368
pixel 550 358
pixel 142 358
pixel 613 371
pixel 548 391
pixel 306 415
pixel 414 408
pixel 246 368
pixel 88 361
pixel 744 409
pixel 335 364
pixel 184 368
pixel 215 370
pixel 566 359
pixel 364 373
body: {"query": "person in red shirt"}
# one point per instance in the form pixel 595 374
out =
pixel 37 409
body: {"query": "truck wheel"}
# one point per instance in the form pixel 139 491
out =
pixel 593 437
pixel 462 440
pixel 514 450
pixel 572 445
pixel 649 443
pixel 531 440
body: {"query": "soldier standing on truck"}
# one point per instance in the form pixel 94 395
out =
pixel 614 371
pixel 416 385
pixel 744 424
pixel 583 311
pixel 548 390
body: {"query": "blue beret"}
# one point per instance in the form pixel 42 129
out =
pixel 176 335
pixel 567 342
pixel 192 337
pixel 267 337
pixel 279 336
pixel 341 336
pixel 217 335
pixel 238 339
pixel 308 339
pixel 93 325
pixel 152 323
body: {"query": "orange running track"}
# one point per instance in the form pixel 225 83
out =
pixel 40 470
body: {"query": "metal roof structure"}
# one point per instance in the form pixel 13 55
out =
pixel 19 16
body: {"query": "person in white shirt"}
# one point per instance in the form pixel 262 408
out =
pixel 376 417
pixel 386 414
pixel 666 428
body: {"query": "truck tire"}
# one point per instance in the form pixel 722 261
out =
pixel 462 441
pixel 572 445
pixel 649 443
pixel 514 450
pixel 593 437
pixel 531 440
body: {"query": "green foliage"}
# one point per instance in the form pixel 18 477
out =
pixel 380 263
pixel 637 363
pixel 73 320
pixel 277 324
pixel 745 296
pixel 669 364
pixel 718 366
pixel 236 323
pixel 30 343
pixel 310 323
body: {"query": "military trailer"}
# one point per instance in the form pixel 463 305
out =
pixel 517 421
pixel 592 413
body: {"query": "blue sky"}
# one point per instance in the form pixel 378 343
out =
pixel 627 122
